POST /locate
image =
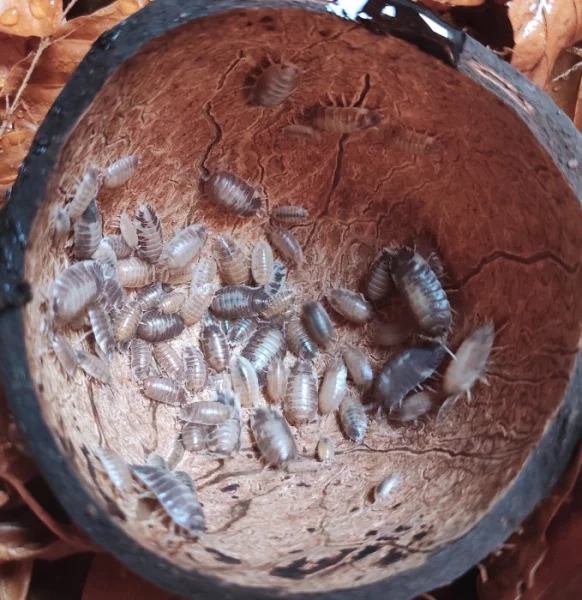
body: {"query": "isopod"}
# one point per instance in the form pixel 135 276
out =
pixel 149 234
pixel 197 303
pixel 353 418
pixel 128 230
pixel 106 257
pixel 119 246
pixel 317 323
pixel 245 382
pixel 176 454
pixel 420 287
pixel 278 280
pixel 168 360
pixel 205 412
pixel 286 244
pixel 333 387
pixel 184 247
pixel 237 301
pixel 387 335
pixel 277 380
pixel 119 171
pixel 232 194
pixel 155 460
pixel 74 289
pixel 172 302
pixel 275 84
pixel 175 276
pixel 241 331
pixel 299 341
pixel 300 404
pixel 378 283
pixel 273 436
pixel 262 263
pixel 102 329
pixel 140 359
pixel 176 497
pixel 215 346
pixel 114 293
pixel 60 226
pixel 65 353
pixel 359 368
pixel 164 390
pixel 385 487
pixel 116 469
pixel 149 296
pixel 134 273
pixel 195 371
pixel 87 233
pixel 203 272
pixel 325 450
pixel 427 249
pixel 224 439
pixel 289 214
pixel 413 142
pixel 279 303
pixel 470 363
pixel 401 374
pixel 412 407
pixel 157 327
pixel 345 119
pixel 85 193
pixel 194 437
pixel 94 366
pixel 266 343
pixel 350 305
pixel 232 263
pixel 299 130
pixel 184 477
pixel 126 321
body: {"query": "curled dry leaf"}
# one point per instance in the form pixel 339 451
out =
pixel 30 17
pixel 15 579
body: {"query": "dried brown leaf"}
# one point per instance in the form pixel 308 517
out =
pixel 564 91
pixel 30 17
pixel 15 580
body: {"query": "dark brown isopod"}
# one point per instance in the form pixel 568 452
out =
pixel 275 84
pixel 215 346
pixel 266 343
pixel 317 323
pixel 232 194
pixel 238 301
pixel 157 327
pixel 149 234
pixel 345 119
pixel 273 436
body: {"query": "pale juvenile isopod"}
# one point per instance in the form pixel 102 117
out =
pixel 401 374
pixel 149 234
pixel 205 412
pixel 149 296
pixel 203 272
pixel 350 305
pixel 359 368
pixel 289 214
pixel 325 450
pixel 87 233
pixel 233 264
pixel 119 171
pixel 195 371
pixel 241 331
pixel 85 193
pixel 116 469
pixel 470 363
pixel 265 344
pixel 275 84
pixel 197 303
pixel 300 404
pixel 238 301
pixel 176 497
pixel 232 194
pixel 299 130
pixel 128 230
pixel 278 280
pixel 413 407
pixel 106 257
pixel 134 273
pixel 184 247
pixel 224 439
pixel 378 283
pixel 413 142
pixel 383 490
pixel 94 366
pixel 194 437
pixel 118 245
pixel 156 327
pixel 168 360
pixel 353 418
pixel 65 353
pixel 164 390
pixel 74 289
pixel 333 387
pixel 277 380
pixel 423 292
pixel 155 460
pixel 387 335
pixel 279 303
pixel 140 359
pixel 317 323
pixel 245 382
pixel 102 329
pixel 345 119
pixel 286 244
pixel 60 226
pixel 126 321
pixel 172 302
pixel 299 341
pixel 215 346
pixel 262 263
pixel 273 436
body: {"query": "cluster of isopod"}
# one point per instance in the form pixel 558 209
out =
pixel 137 291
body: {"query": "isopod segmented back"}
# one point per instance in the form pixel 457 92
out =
pixel 232 194
pixel 273 436
pixel 301 396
